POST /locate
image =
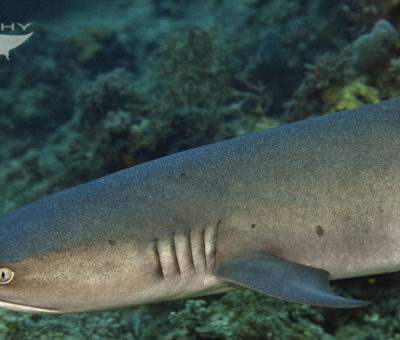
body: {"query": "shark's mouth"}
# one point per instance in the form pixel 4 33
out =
pixel 26 309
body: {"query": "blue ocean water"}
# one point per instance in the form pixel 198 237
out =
pixel 90 88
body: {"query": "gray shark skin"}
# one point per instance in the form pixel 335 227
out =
pixel 281 211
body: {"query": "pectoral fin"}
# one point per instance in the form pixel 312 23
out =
pixel 285 280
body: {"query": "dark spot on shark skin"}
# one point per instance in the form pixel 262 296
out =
pixel 112 242
pixel 320 232
pixel 252 226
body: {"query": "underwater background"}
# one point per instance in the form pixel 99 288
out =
pixel 104 85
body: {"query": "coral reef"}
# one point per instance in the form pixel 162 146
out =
pixel 90 44
pixel 353 94
pixel 328 70
pixel 245 315
pixel 107 92
pixel 370 50
pixel 350 77
pixel 360 15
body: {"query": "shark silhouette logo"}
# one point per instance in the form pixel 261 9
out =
pixel 9 42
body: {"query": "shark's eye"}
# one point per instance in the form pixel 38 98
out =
pixel 6 276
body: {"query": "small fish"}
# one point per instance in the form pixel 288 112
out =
pixel 281 212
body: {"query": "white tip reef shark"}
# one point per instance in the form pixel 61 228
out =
pixel 281 211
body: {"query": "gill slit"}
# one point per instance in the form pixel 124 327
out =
pixel 175 254
pixel 203 240
pixel 159 264
pixel 215 242
pixel 191 250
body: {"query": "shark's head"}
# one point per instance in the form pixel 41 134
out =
pixel 75 280
pixel 62 254
pixel 14 297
